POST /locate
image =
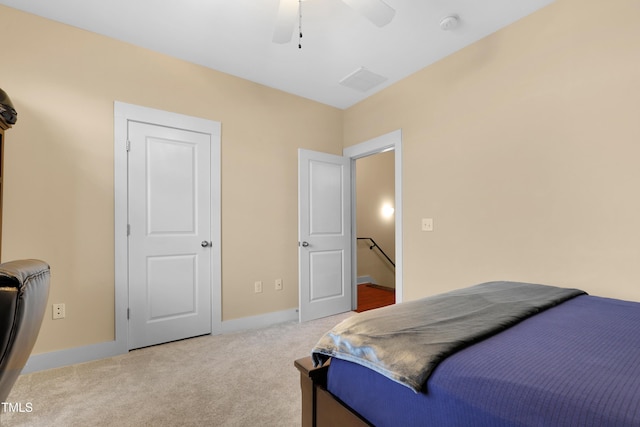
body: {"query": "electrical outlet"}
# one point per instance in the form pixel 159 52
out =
pixel 427 224
pixel 278 284
pixel 258 287
pixel 58 311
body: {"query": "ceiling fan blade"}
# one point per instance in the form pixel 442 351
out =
pixel 286 21
pixel 376 11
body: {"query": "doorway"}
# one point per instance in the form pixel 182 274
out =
pixel 375 230
pixel 335 286
pixel 167 187
pixel 388 143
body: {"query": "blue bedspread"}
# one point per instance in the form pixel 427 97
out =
pixel 405 342
pixel 577 364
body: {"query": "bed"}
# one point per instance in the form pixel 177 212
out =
pixel 495 354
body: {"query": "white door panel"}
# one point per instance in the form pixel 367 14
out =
pixel 324 234
pixel 326 275
pixel 169 217
pixel 325 198
pixel 171 196
pixel 162 273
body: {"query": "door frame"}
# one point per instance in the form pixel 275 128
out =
pixel 380 144
pixel 123 113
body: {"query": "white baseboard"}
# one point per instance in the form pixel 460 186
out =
pixel 260 321
pixel 366 279
pixel 88 353
pixel 71 356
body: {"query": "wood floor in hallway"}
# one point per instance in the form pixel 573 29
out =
pixel 374 296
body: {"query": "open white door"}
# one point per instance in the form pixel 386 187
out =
pixel 324 234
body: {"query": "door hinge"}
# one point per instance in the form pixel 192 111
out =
pixel 127 314
pixel 128 229
pixel 128 145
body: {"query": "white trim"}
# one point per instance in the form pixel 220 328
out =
pixel 259 321
pixel 58 359
pixel 386 142
pixel 128 112
pixel 71 356
pixel 365 279
pixel 122 113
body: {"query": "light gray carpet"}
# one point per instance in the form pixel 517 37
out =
pixel 238 379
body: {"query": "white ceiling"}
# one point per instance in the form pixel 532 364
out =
pixel 235 36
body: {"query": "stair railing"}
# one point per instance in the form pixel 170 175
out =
pixel 375 245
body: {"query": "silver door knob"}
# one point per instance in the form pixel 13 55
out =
pixel 205 244
pixel 305 244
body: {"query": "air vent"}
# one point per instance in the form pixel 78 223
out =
pixel 362 80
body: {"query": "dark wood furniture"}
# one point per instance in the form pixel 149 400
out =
pixel 8 117
pixel 3 126
pixel 319 407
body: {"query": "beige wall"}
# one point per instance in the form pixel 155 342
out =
pixel 58 203
pixel 524 148
pixel 374 188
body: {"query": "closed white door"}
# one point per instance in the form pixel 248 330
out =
pixel 169 208
pixel 324 209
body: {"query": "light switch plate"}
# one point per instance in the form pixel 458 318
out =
pixel 427 224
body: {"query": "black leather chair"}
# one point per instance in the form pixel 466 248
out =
pixel 24 291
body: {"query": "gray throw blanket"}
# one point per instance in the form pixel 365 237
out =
pixel 405 342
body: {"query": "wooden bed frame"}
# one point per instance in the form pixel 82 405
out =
pixel 319 407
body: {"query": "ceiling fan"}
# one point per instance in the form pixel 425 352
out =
pixel 376 11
